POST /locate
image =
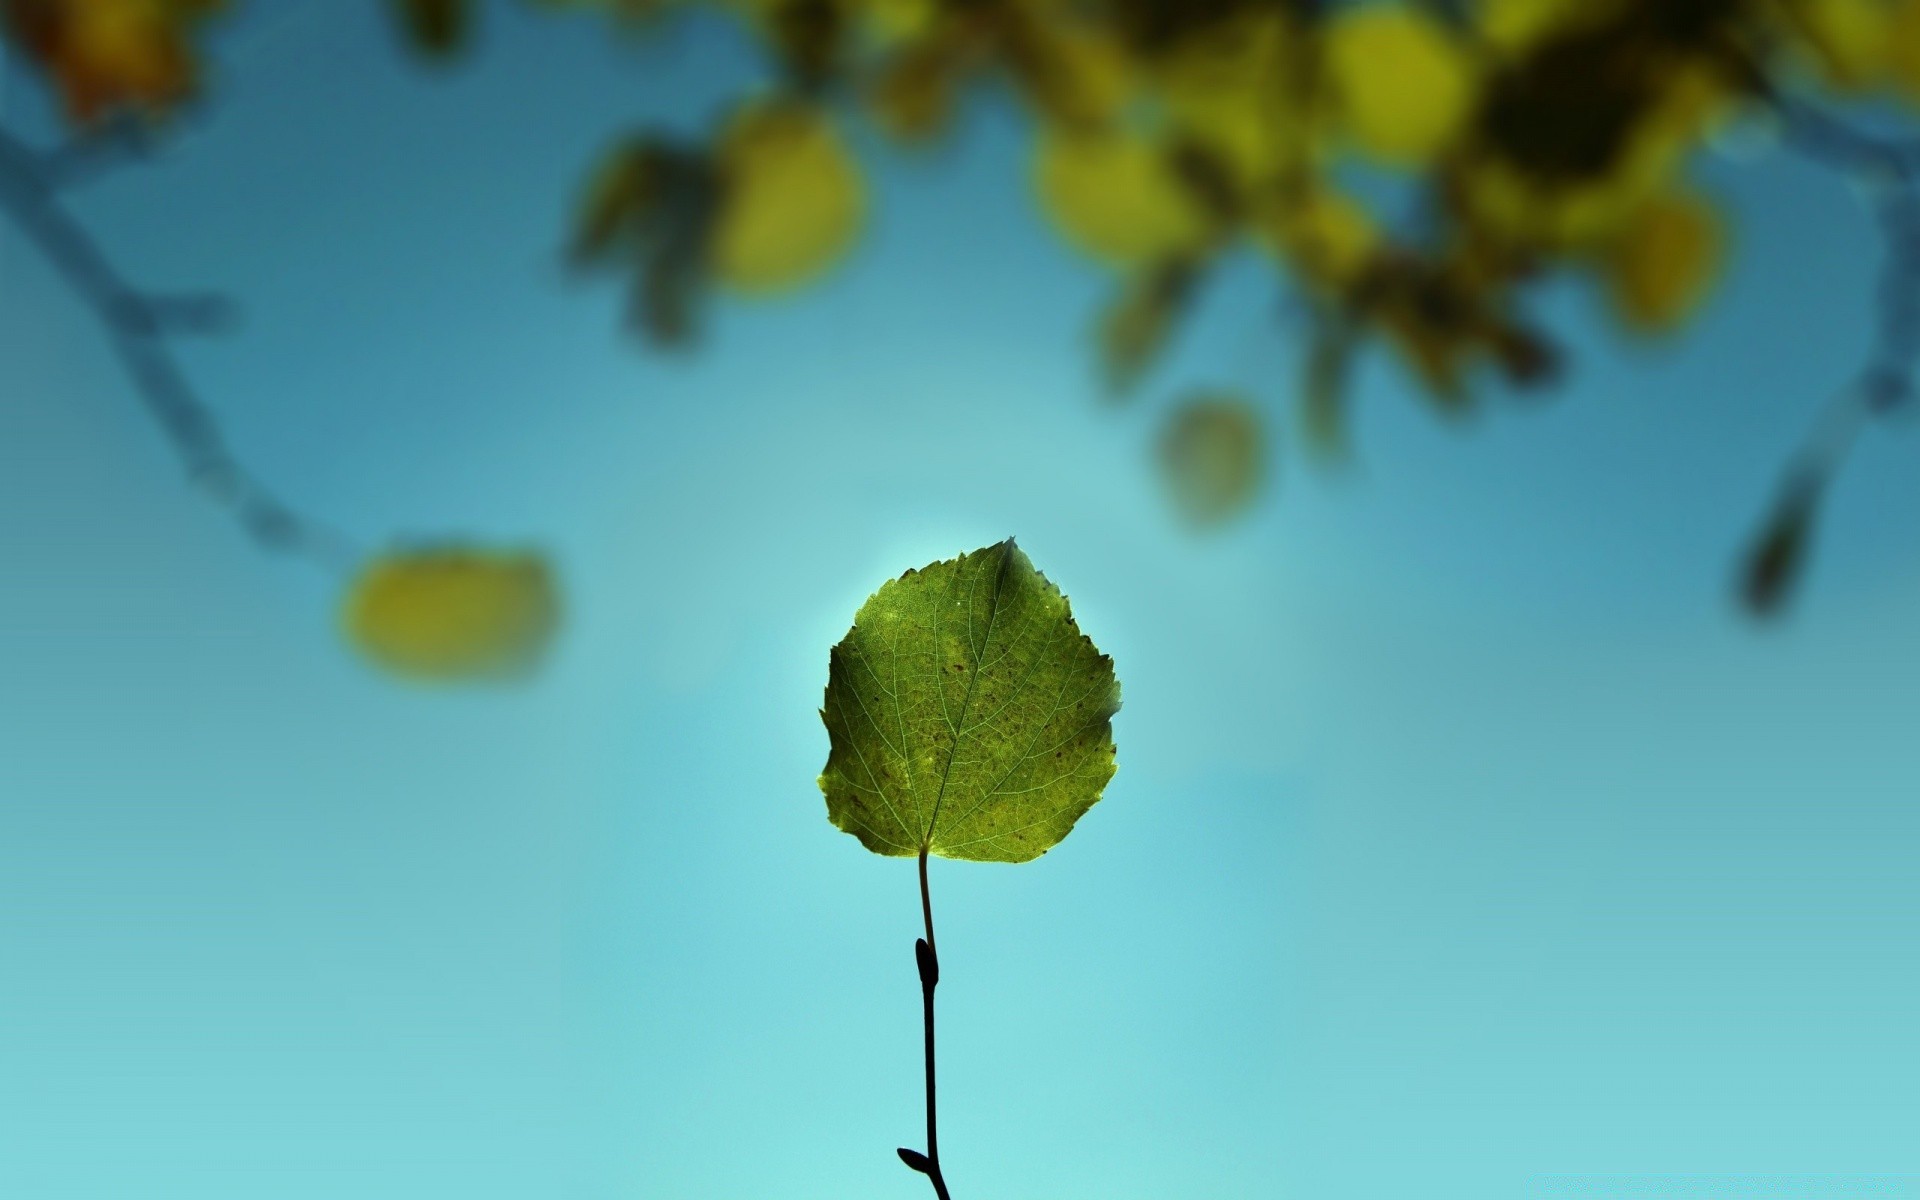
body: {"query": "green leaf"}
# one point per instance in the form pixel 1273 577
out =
pixel 968 715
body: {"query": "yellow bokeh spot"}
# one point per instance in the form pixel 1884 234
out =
pixel 453 614
pixel 1663 261
pixel 1117 197
pixel 793 198
pixel 1403 87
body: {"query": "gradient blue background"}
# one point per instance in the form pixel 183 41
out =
pixel 1466 842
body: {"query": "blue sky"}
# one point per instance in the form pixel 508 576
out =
pixel 1465 842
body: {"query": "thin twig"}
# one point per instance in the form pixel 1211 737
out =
pixel 138 325
pixel 1888 170
pixel 928 961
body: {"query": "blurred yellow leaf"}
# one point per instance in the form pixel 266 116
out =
pixel 891 21
pixel 1118 197
pixel 452 614
pixel 1403 86
pixel 1663 261
pixel 1903 48
pixel 1848 40
pixel 110 55
pixel 1213 457
pixel 793 199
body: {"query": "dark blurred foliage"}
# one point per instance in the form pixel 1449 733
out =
pixel 436 28
pixel 1495 144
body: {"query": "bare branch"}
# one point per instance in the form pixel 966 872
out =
pixel 1888 170
pixel 138 325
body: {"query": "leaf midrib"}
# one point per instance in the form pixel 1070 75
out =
pixel 973 681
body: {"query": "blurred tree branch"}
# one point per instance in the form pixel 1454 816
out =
pixel 1887 171
pixel 442 611
pixel 1499 141
pixel 140 325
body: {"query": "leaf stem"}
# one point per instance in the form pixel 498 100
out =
pixel 928 961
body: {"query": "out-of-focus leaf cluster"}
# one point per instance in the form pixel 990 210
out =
pixel 1411 168
pixel 448 613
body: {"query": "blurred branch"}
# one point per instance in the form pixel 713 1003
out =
pixel 88 155
pixel 1888 170
pixel 138 324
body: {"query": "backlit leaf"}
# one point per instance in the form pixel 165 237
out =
pixel 453 613
pixel 793 199
pixel 968 715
